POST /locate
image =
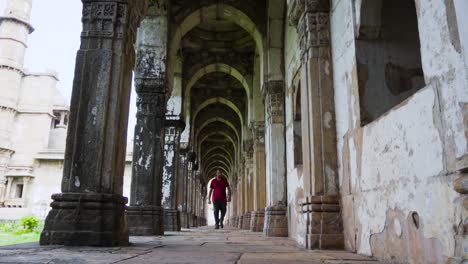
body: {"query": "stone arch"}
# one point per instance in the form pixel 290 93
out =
pixel 234 144
pixel 218 156
pixel 216 148
pixel 221 120
pixel 220 100
pixel 211 68
pixel 218 11
pixel 226 171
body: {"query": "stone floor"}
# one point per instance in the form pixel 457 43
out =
pixel 203 245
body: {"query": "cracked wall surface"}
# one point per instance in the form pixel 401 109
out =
pixel 405 161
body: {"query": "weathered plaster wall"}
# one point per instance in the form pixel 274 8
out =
pixel 404 161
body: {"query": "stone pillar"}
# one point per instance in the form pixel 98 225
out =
pixel 90 211
pixel 233 207
pixel 182 187
pixel 189 195
pixel 248 185
pixel 8 187
pixel 5 156
pixel 25 191
pixel 276 221
pixel 257 217
pixel 145 213
pixel 240 199
pixel 318 123
pixel 171 166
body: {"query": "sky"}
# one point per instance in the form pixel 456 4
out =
pixel 55 41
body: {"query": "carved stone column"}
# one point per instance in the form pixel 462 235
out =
pixel 90 211
pixel 276 221
pixel 248 184
pixel 321 205
pixel 258 215
pixel 234 204
pixel 182 187
pixel 145 213
pixel 240 200
pixel 190 201
pixel 170 185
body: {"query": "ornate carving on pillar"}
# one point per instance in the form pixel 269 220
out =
pixel 312 21
pixel 275 101
pixel 258 132
pixel 90 211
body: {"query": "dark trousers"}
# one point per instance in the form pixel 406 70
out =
pixel 219 206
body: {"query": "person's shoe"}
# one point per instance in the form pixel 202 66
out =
pixel 216 226
pixel 222 226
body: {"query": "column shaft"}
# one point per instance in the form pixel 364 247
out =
pixel 91 209
pixel 174 127
pixel 145 213
pixel 324 230
pixel 276 222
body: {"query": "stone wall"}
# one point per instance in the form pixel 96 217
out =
pixel 397 172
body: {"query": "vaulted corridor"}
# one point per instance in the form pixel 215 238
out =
pixel 339 124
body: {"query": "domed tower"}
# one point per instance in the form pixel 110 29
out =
pixel 14 31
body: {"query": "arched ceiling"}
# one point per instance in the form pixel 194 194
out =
pixel 216 41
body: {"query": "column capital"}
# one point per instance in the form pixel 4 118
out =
pixel 274 95
pixel 121 19
pixel 258 132
pixel 311 19
pixel 179 124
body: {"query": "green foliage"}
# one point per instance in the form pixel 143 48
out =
pixel 29 223
pixel 28 229
pixel 9 227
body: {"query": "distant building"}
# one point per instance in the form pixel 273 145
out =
pixel 33 123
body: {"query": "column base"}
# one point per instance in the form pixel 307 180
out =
pixel 240 220
pixel 145 220
pixel 276 222
pixel 171 220
pixel 183 220
pixel 257 220
pixel 195 221
pixel 246 221
pixel 192 220
pixel 86 219
pixel 325 226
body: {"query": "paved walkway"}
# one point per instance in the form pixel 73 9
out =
pixel 203 245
